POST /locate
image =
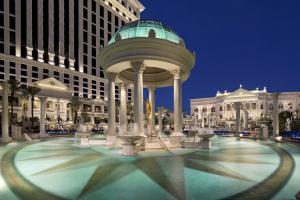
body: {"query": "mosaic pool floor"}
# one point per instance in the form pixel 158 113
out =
pixel 232 169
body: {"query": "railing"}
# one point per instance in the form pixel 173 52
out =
pixel 291 134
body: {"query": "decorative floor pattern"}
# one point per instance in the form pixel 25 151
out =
pixel 59 169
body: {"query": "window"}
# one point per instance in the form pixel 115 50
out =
pixel 94 6
pixel 12 70
pixel 213 109
pixel 12 50
pixel 101 23
pixel 101 11
pixel 253 106
pixel 12 6
pixel 109 16
pixel 228 107
pixel 85 37
pixel 12 23
pixel 94 72
pixel 261 106
pixel 101 33
pixel 85 13
pixel 94 52
pixel 271 107
pixel 94 18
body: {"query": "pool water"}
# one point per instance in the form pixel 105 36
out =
pixel 232 169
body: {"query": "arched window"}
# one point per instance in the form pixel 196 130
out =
pixel 290 106
pixel 271 107
pixel 280 106
pixel 221 108
pixel 213 109
pixel 151 33
pixel 204 109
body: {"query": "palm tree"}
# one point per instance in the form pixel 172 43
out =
pixel 25 96
pixel 75 104
pixel 32 91
pixel 14 86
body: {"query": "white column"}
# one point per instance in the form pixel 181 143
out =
pixel 111 131
pixel 61 34
pixel 160 111
pixel 93 113
pixel 5 118
pixel 177 136
pixel 18 28
pixel 152 104
pixel 238 118
pixel 40 32
pixel 177 103
pixel 57 108
pixel 275 115
pixel 79 29
pixel 123 108
pixel 29 28
pixel 43 116
pixel 51 31
pixel 138 68
pixel 6 25
pixel 71 35
pixel 245 113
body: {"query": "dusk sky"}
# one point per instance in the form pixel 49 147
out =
pixel 255 43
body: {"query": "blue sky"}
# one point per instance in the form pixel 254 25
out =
pixel 255 43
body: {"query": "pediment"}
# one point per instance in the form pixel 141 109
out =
pixel 241 95
pixel 51 84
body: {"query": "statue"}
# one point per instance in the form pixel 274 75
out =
pixel 148 109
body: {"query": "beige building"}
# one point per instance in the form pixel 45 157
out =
pixel 61 40
pixel 255 104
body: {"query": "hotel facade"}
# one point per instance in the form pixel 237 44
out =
pixel 220 111
pixel 53 44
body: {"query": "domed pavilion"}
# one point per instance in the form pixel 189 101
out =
pixel 149 54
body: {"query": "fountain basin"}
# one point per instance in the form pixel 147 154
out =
pixel 129 144
pixel 205 142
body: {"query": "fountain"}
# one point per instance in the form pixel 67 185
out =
pixel 130 140
pixel 83 133
pixel 205 142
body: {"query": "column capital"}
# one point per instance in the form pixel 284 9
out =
pixel 138 66
pixel 177 74
pixel 122 84
pixel 152 88
pixel 111 76
pixel 43 98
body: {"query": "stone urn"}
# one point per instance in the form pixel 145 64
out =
pixel 83 134
pixel 205 142
pixel 129 144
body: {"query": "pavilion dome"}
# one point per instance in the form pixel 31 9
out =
pixel 146 28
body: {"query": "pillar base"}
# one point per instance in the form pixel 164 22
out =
pixel 143 142
pixel 129 149
pixel 277 138
pixel 205 144
pixel 5 140
pixel 177 139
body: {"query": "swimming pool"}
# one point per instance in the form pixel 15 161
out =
pixel 232 169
